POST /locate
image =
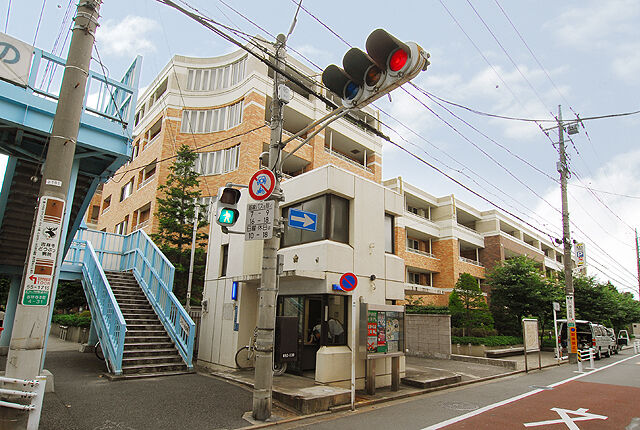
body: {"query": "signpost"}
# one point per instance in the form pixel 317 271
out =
pixel 556 308
pixel 260 216
pixel 572 346
pixel 262 184
pixel 303 220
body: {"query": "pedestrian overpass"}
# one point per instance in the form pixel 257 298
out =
pixel 27 110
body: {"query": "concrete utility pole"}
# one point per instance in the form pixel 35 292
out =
pixel 193 256
pixel 638 262
pixel 566 239
pixel 268 291
pixel 26 349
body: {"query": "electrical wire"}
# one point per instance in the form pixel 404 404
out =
pixel 35 37
pixel 6 23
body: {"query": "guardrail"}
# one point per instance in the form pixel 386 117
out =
pixel 586 354
pixel 33 390
pixel 155 273
pixel 417 251
pixel 470 261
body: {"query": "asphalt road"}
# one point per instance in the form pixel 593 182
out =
pixel 83 400
pixel 611 392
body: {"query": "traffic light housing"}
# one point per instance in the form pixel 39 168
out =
pixel 227 206
pixel 365 77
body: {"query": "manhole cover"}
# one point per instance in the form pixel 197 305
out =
pixel 540 387
pixel 460 406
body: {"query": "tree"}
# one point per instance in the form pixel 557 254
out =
pixel 176 212
pixel 467 305
pixel 519 290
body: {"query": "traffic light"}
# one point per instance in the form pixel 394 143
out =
pixel 227 206
pixel 365 77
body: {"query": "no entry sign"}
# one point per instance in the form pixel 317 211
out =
pixel 348 282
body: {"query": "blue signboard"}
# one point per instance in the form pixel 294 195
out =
pixel 303 220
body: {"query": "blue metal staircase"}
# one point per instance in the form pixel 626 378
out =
pixel 139 321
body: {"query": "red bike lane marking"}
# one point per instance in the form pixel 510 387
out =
pixel 618 403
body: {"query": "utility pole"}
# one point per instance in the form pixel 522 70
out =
pixel 26 349
pixel 638 261
pixel 193 255
pixel 566 240
pixel 268 291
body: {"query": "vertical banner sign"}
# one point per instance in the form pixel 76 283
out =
pixel 581 255
pixel 44 251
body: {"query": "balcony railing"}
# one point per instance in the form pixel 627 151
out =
pixel 464 227
pixel 470 261
pixel 347 159
pixel 140 225
pixel 425 253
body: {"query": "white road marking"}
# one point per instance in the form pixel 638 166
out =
pixel 516 398
pixel 582 413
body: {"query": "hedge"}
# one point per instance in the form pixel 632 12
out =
pixel 425 309
pixel 487 341
pixel 73 320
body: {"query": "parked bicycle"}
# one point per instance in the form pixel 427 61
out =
pixel 246 357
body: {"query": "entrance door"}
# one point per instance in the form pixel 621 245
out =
pixel 308 310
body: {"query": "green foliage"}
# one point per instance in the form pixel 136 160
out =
pixel 519 290
pixel 487 341
pixel 427 309
pixel 176 212
pixel 82 319
pixel 70 295
pixel 467 305
pixel 604 304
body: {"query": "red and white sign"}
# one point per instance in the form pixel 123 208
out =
pixel 262 184
pixel 348 282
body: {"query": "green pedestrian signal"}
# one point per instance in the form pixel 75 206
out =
pixel 227 216
pixel 226 206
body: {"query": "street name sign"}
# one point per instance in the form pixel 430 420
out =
pixel 303 220
pixel 260 216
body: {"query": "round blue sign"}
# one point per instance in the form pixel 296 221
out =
pixel 348 282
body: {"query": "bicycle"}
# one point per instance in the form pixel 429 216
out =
pixel 246 357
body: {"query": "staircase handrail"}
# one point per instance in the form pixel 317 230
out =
pixel 107 317
pixel 142 256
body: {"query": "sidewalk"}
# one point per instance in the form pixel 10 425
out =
pixel 84 399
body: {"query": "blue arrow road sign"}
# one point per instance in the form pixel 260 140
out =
pixel 303 220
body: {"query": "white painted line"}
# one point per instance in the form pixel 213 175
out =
pixel 516 398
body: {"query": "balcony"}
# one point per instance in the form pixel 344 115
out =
pixel 426 254
pixel 347 159
pixel 410 288
pixel 140 225
pixel 470 261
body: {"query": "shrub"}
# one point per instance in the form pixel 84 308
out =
pixel 73 320
pixel 483 332
pixel 427 309
pixel 488 341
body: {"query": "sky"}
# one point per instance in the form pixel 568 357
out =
pixel 517 59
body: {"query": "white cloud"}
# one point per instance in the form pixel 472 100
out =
pixel 126 37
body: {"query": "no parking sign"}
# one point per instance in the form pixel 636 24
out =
pixel 348 282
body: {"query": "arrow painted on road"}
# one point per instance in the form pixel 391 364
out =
pixel 306 220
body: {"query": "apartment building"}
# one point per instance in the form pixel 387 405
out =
pixel 220 107
pixel 440 238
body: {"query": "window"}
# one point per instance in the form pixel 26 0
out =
pixel 146 175
pixel 122 227
pixel 106 203
pixel 211 120
pixel 414 278
pixel 218 162
pixel 217 78
pixel 224 260
pixel 337 316
pixel 126 190
pixel 389 245
pixel 328 207
pixel 413 244
pixel 155 129
pixel 95 213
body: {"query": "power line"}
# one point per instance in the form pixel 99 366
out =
pixel 6 23
pixel 35 37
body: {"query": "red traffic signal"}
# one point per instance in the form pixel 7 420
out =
pixel 365 77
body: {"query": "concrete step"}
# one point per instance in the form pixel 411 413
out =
pixel 146 333
pixel 139 320
pixel 150 351
pixel 141 301
pixel 151 368
pixel 140 327
pixel 133 307
pixel 149 375
pixel 146 339
pixel 136 346
pixel 153 360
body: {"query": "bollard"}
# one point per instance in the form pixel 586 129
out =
pixel 636 346
pixel 580 362
pixel 591 354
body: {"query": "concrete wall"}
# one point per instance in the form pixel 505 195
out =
pixel 428 335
